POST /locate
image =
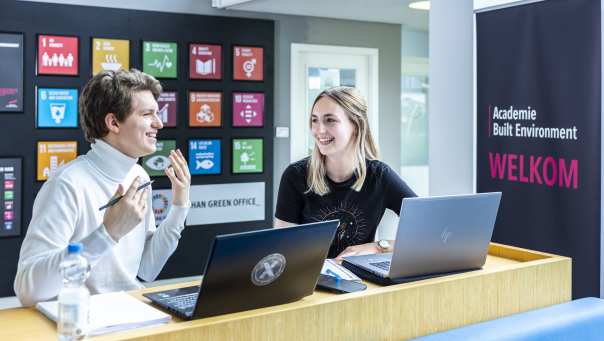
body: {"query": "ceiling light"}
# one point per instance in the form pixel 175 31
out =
pixel 423 5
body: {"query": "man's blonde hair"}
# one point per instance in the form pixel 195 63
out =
pixel 355 106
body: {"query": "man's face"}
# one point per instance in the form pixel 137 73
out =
pixel 138 133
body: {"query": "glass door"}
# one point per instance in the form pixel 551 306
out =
pixel 317 67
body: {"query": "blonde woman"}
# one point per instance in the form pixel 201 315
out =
pixel 343 178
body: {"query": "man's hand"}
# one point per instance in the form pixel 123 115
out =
pixel 179 176
pixel 358 250
pixel 124 216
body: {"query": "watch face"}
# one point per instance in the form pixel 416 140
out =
pixel 383 244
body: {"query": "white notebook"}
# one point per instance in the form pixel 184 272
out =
pixel 112 312
pixel 332 268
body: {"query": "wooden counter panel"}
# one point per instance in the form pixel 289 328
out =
pixel 512 280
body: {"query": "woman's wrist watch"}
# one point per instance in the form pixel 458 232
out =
pixel 383 245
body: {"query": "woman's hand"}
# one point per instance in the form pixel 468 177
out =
pixel 358 250
pixel 180 177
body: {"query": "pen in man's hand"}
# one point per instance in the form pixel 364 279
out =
pixel 116 199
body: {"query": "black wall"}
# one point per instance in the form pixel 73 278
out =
pixel 18 134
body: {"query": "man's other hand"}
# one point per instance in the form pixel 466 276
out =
pixel 180 177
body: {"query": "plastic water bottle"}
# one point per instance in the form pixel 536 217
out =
pixel 74 297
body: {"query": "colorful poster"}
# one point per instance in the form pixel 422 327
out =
pixel 167 103
pixel 57 55
pixel 11 72
pixel 204 157
pixel 205 109
pixel 56 108
pixel 161 201
pixel 155 163
pixel 247 156
pixel 110 54
pixel 10 197
pixel 160 59
pixel 248 109
pixel 239 202
pixel 54 154
pixel 205 61
pixel 248 63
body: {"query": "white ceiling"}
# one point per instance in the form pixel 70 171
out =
pixel 385 11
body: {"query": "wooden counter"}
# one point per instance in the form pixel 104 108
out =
pixel 512 280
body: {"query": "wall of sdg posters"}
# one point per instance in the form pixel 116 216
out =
pixel 216 107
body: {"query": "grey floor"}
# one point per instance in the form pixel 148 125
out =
pixel 13 302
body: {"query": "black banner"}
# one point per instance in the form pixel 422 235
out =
pixel 11 72
pixel 538 129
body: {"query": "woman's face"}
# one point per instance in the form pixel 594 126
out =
pixel 332 129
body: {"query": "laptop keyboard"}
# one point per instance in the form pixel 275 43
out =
pixel 182 302
pixel 385 265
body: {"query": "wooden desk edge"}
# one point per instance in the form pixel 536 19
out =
pixel 525 259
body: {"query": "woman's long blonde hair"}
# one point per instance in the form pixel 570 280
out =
pixel 355 106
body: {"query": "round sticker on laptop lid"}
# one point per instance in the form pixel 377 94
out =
pixel 268 269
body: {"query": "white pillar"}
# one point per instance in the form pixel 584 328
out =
pixel 451 97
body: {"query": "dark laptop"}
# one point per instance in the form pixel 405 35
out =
pixel 254 269
pixel 436 236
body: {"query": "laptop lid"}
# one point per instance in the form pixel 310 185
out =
pixel 443 234
pixel 263 268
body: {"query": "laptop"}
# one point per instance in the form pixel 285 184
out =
pixel 436 236
pixel 254 269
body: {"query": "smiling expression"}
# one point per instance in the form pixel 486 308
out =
pixel 332 129
pixel 137 134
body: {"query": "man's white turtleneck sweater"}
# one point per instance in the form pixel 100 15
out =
pixel 67 210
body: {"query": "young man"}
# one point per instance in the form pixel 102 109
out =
pixel 119 116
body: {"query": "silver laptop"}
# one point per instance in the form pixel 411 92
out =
pixel 435 236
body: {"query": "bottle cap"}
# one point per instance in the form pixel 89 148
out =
pixel 74 248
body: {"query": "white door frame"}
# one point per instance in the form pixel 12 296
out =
pixel 298 86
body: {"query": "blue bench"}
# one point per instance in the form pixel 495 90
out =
pixel 581 320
